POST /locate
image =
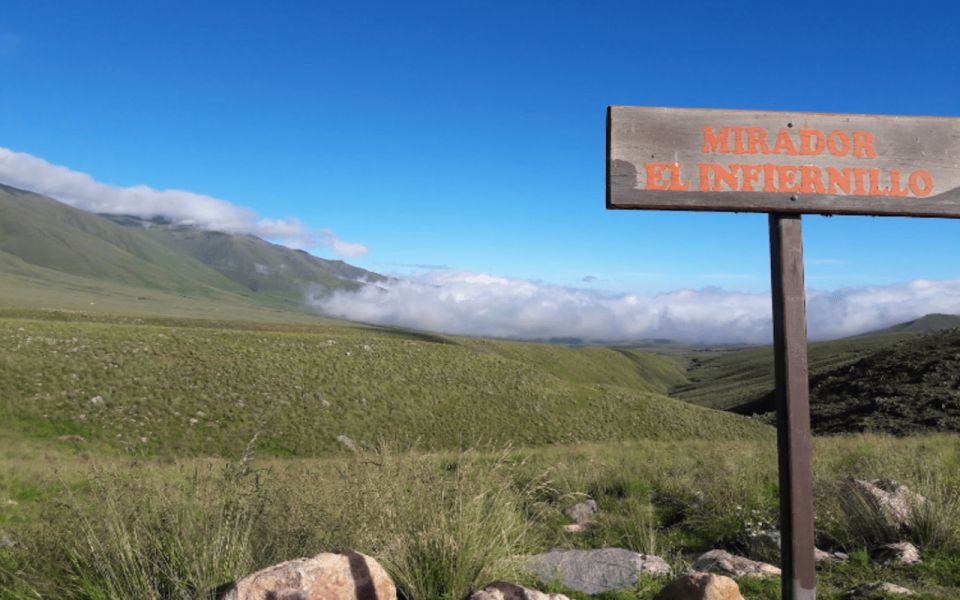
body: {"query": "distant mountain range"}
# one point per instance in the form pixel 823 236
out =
pixel 46 243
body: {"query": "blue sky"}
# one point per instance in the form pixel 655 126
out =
pixel 471 135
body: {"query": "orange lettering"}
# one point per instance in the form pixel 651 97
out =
pixel 807 139
pixel 839 179
pixel 784 143
pixel 875 189
pixel 918 177
pixel 704 169
pixel 787 178
pixel 811 180
pixel 838 143
pixel 768 173
pixel 751 173
pixel 859 189
pixel 715 142
pixel 895 189
pixel 728 177
pixel 738 141
pixel 863 145
pixel 676 184
pixel 655 176
pixel 757 140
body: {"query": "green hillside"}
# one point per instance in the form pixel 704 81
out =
pixel 910 387
pixel 274 273
pixel 737 379
pixel 168 388
pixel 56 256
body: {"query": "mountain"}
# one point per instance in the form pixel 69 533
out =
pixel 61 256
pixel 925 324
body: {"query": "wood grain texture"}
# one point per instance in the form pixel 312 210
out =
pixel 794 439
pixel 638 136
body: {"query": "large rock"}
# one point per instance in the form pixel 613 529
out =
pixel 877 590
pixel 765 545
pixel 721 561
pixel 501 590
pixel 583 512
pixel 701 586
pixel 885 497
pixel 344 575
pixel 596 571
pixel 903 553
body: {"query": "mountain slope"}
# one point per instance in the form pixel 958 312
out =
pixel 281 274
pixel 60 256
pixel 896 382
pixel 45 233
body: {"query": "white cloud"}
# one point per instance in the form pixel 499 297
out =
pixel 77 189
pixel 481 304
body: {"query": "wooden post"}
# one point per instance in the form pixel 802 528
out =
pixel 794 443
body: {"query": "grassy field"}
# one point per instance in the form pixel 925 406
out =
pixel 159 457
pixel 443 523
pixel 166 388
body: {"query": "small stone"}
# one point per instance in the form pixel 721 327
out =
pixel 903 553
pixel 501 590
pixel 96 400
pixel 583 512
pixel 6 541
pixel 721 561
pixel 877 590
pixel 576 527
pixel 343 575
pixel 596 571
pixel 347 443
pixel 701 586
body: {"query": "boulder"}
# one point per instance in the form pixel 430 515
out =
pixel 596 571
pixel 347 443
pixel 903 553
pixel 583 512
pixel 765 545
pixel 721 561
pixel 701 586
pixel 877 590
pixel 887 498
pixel 501 590
pixel 344 575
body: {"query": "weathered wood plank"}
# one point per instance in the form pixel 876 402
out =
pixel 792 163
pixel 794 440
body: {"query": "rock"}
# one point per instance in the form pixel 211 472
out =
pixel 903 553
pixel 6 541
pixel 766 546
pixel 576 527
pixel 701 586
pixel 721 561
pixel 346 443
pixel 887 498
pixel 345 575
pixel 501 590
pixel 583 512
pixel 876 590
pixel 596 571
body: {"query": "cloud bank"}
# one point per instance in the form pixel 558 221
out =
pixel 486 305
pixel 77 189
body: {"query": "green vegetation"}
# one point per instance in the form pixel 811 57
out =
pixel 446 523
pixel 56 256
pixel 898 383
pixel 741 378
pixel 174 390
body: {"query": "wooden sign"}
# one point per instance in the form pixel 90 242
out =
pixel 781 162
